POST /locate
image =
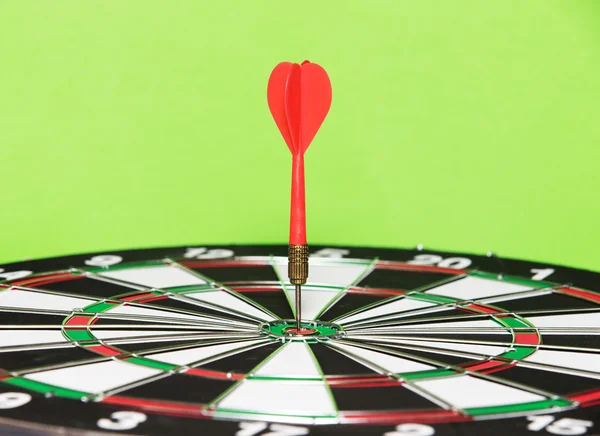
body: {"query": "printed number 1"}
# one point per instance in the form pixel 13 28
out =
pixel 541 274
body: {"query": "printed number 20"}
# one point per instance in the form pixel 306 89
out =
pixel 434 259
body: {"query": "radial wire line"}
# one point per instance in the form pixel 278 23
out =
pixel 202 317
pixel 113 281
pixel 110 392
pixel 252 342
pixel 435 399
pixel 343 292
pixel 428 339
pixel 392 319
pixel 476 330
pixel 283 286
pixel 117 303
pixel 191 336
pixel 145 326
pixel 422 321
pixel 168 294
pixel 125 355
pixel 427 323
pixel 185 299
pixel 206 325
pixel 478 356
pixel 416 291
pixel 482 357
pixel 229 291
pixel 226 392
pixel 41 346
pixel 459 371
pixel 172 322
pixel 437 308
pixel 402 317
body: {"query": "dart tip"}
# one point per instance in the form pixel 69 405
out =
pixel 298 303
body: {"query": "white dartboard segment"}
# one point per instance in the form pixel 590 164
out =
pixel 313 300
pixel 486 350
pixel 293 360
pixel 390 363
pixel 398 306
pixel 511 297
pixel 160 277
pixel 567 359
pixel 340 275
pixel 316 299
pixel 474 288
pixel 269 397
pixel 226 300
pixel 124 334
pixel 483 326
pixel 191 355
pixel 464 392
pixel 14 338
pixel 95 378
pixel 572 321
pixel 41 300
pixel 134 311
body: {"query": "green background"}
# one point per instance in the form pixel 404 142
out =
pixel 463 125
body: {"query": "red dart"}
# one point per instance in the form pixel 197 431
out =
pixel 299 97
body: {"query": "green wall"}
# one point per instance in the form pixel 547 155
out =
pixel 463 125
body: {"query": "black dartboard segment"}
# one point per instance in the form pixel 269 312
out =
pixel 190 340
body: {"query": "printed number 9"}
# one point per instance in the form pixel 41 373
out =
pixel 12 400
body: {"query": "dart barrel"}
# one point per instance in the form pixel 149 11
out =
pixel 298 264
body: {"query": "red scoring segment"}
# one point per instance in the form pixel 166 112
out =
pixel 299 97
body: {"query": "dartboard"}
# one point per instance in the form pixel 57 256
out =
pixel 193 340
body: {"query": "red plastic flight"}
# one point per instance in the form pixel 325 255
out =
pixel 299 97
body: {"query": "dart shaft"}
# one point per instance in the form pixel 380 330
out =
pixel 298 205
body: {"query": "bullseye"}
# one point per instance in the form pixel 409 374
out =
pixel 287 330
pixel 294 331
